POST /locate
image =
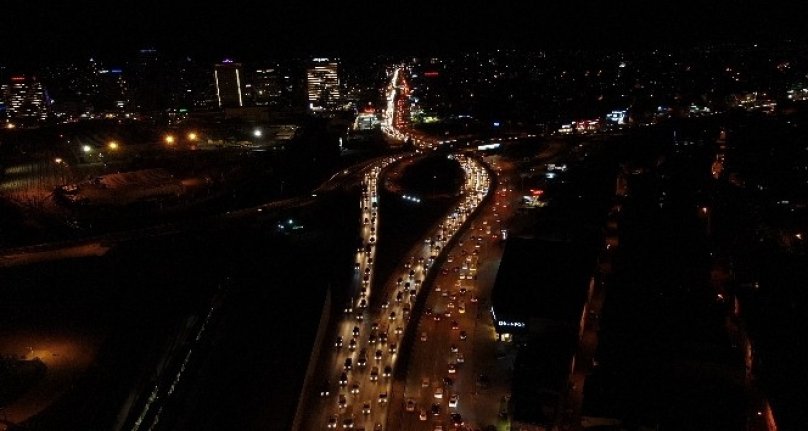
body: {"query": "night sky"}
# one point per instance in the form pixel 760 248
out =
pixel 39 32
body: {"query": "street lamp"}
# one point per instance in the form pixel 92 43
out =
pixel 192 136
pixel 112 145
pixel 86 148
pixel 257 133
pixel 169 139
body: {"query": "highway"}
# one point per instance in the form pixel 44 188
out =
pixel 369 332
pixel 456 341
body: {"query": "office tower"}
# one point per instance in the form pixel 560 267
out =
pixel 26 100
pixel 266 87
pixel 322 83
pixel 229 85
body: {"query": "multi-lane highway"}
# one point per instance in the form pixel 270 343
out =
pixel 455 340
pixel 357 388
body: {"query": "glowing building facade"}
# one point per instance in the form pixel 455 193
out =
pixel 322 84
pixel 229 84
pixel 26 100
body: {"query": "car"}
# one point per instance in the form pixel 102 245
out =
pixel 392 348
pixel 438 428
pixel 450 304
pixel 422 414
pixel 362 361
pixel 438 392
pixel 356 266
pixel 374 326
pixel 343 379
pixel 385 305
pixel 453 348
pixel 399 330
pixel 342 402
pixel 324 389
pixel 435 409
pixel 348 364
pixel 383 338
pixel 355 331
pixel 460 358
pixel 338 343
pixel 452 368
pixel 428 311
pixel 455 325
pixel 347 423
pixel 388 370
pixel 366 408
pixel 332 422
pixel 436 317
pixel 392 315
pixel 474 299
pixel 399 297
pixel 423 336
pixel 374 374
pixel 410 405
pixel 425 382
pixel 372 337
pixel 448 382
pixel 377 427
pixel 355 388
pixel 457 420
pixel 378 355
pixel 453 401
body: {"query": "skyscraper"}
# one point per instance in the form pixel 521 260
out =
pixel 266 88
pixel 26 100
pixel 322 84
pixel 229 85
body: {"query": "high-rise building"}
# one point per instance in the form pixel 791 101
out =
pixel 26 100
pixel 229 84
pixel 266 87
pixel 322 84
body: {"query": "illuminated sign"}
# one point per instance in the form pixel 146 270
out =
pixel 488 147
pixel 430 74
pixel 536 192
pixel 512 324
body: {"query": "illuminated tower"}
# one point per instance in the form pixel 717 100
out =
pixel 229 84
pixel 27 100
pixel 322 84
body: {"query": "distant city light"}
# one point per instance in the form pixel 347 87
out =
pixel 257 133
pixel 86 148
pixel 58 160
pixel 112 145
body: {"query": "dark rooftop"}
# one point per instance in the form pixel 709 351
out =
pixel 542 280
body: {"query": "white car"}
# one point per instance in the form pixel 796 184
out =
pixel 438 392
pixel 453 401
